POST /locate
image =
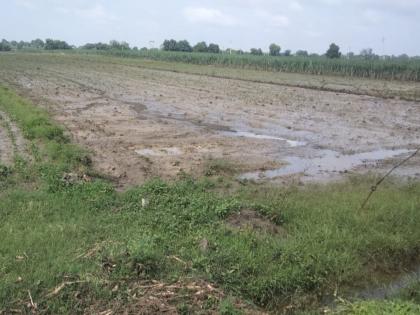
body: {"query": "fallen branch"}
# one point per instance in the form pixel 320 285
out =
pixel 61 287
pixel 32 304
pixel 379 182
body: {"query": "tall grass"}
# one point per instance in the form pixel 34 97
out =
pixel 395 69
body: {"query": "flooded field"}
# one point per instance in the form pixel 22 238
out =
pixel 142 123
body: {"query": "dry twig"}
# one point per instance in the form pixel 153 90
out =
pixel 379 182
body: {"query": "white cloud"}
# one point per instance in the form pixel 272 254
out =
pixel 313 34
pixel 295 6
pixel 96 13
pixel 276 20
pixel 372 16
pixel 25 3
pixel 209 16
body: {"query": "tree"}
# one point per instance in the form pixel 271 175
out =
pixel 97 46
pixel 21 44
pixel 114 44
pixel 200 47
pixel 53 44
pixel 302 53
pixel 37 43
pixel 274 50
pixel 367 53
pixel 333 51
pixel 169 45
pixel 213 48
pixel 183 45
pixel 256 51
pixel 5 45
pixel 287 53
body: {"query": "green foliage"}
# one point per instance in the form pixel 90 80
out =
pixel 287 53
pixel 37 43
pixel 214 48
pixel 302 53
pixel 173 45
pixel 54 44
pixel 35 123
pixel 200 47
pixel 5 171
pixel 184 46
pixel 256 51
pixel 333 51
pixel 116 45
pixel 97 46
pixel 393 69
pixel 5 46
pixel 381 308
pixel 274 50
pixel 228 308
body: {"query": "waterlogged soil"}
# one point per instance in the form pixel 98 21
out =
pixel 141 123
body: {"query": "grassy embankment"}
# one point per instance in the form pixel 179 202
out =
pixel 72 243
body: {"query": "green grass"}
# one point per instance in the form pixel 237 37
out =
pixel 85 233
pixel 381 308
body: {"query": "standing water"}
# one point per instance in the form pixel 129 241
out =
pixel 329 162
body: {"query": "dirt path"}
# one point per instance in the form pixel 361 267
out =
pixel 141 123
pixel 11 140
pixel 6 145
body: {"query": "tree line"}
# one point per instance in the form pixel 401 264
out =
pixel 274 49
pixel 49 44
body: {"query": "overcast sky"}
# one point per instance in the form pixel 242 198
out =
pixel 387 26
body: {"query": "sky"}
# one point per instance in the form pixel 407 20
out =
pixel 387 26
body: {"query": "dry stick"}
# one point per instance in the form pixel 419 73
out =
pixel 33 305
pixel 375 187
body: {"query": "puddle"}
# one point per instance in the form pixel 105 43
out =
pixel 391 289
pixel 329 162
pixel 159 152
pixel 246 134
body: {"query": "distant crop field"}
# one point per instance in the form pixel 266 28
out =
pixel 393 69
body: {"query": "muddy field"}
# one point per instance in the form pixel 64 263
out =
pixel 141 123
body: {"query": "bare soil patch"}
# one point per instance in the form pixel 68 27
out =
pixel 248 219
pixel 142 123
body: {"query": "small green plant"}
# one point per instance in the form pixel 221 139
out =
pixel 380 308
pixel 228 308
pixel 5 171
